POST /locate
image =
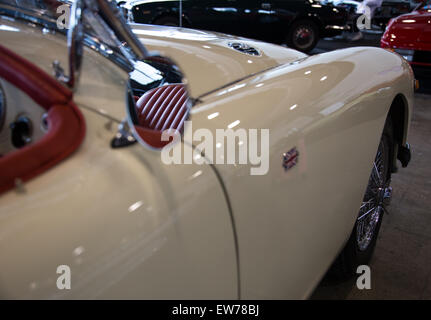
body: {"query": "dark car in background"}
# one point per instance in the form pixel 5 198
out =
pixel 389 10
pixel 297 23
pixel 382 15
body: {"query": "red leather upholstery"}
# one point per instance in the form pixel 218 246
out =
pixel 65 121
pixel 161 109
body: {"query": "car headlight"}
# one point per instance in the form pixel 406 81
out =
pixel 406 54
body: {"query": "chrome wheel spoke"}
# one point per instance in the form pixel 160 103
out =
pixel 367 213
pixel 366 203
pixel 377 173
pixel 372 206
pixel 375 177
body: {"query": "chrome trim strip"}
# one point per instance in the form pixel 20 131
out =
pixel 334 27
pixel 39 17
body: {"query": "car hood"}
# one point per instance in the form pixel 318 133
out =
pixel 207 58
pixel 412 28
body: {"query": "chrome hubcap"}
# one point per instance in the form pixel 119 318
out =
pixel 303 37
pixel 377 196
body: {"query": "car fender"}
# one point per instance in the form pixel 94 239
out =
pixel 331 108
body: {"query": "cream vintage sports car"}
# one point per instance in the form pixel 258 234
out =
pixel 95 202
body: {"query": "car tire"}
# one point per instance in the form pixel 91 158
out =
pixel 360 246
pixel 167 21
pixel 303 35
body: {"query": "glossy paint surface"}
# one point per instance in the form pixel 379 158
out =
pixel 131 227
pixel 292 224
pixel 207 59
pixel 128 226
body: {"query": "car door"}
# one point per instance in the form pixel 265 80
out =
pixel 257 19
pixel 267 20
pixel 214 15
pixel 288 10
pixel 123 223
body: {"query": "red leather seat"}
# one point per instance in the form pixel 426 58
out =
pixel 163 108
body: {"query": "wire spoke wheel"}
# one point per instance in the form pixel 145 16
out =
pixel 303 36
pixel 373 204
pixel 363 238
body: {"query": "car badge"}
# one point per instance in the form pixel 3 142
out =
pixel 244 48
pixel 290 158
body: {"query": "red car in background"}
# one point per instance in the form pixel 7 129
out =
pixel 410 36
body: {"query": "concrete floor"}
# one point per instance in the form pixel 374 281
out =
pixel 401 265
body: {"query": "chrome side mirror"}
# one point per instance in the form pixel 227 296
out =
pixel 157 99
pixel 158 103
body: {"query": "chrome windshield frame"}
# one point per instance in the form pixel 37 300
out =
pixel 101 26
pixel 48 22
